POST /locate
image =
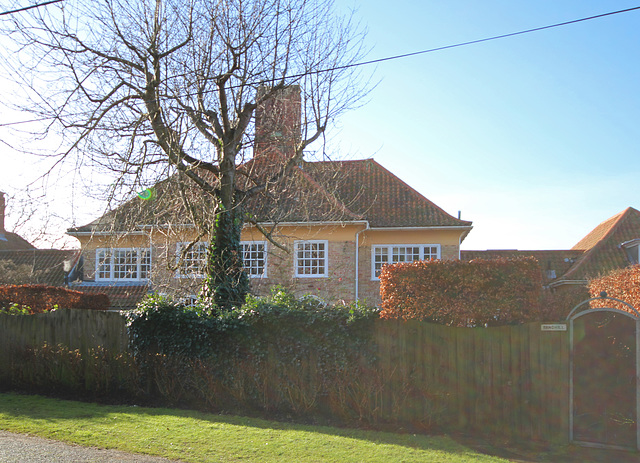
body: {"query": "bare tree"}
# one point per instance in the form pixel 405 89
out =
pixel 152 89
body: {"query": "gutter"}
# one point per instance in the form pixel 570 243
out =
pixel 557 283
pixel 358 257
pixel 103 233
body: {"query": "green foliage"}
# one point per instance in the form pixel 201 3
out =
pixel 275 353
pixel 166 327
pixel 16 309
pixel 457 293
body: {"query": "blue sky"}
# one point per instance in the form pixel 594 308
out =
pixel 534 138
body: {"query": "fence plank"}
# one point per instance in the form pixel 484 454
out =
pixel 512 381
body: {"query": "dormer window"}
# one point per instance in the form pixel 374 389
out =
pixel 632 249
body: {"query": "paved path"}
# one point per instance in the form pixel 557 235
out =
pixel 21 448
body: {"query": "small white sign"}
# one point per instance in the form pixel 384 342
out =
pixel 553 327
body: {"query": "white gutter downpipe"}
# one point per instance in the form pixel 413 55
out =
pixel 358 255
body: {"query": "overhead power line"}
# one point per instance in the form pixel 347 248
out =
pixel 389 58
pixel 471 42
pixel 29 7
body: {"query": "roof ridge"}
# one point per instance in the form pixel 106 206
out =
pixel 590 251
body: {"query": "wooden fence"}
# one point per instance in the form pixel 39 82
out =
pixel 76 329
pixel 509 381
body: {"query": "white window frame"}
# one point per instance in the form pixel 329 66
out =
pixel 183 270
pixel 108 258
pixel 248 270
pixel 390 252
pixel 297 260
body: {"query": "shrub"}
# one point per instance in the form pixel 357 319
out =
pixel 623 284
pixel 277 353
pixel 459 293
pixel 41 298
pixel 163 326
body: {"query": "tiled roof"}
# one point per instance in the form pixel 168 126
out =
pixel 602 246
pixel 37 266
pixel 314 192
pixel 553 264
pixel 122 296
pixel 13 242
pixel 381 198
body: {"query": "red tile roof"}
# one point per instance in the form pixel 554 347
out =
pixel 314 192
pixel 122 297
pixel 13 242
pixel 38 266
pixel 381 198
pixel 602 246
pixel 596 254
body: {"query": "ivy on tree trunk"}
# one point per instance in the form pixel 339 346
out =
pixel 226 284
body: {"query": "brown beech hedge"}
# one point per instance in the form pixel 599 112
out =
pixel 623 284
pixel 460 293
pixel 41 298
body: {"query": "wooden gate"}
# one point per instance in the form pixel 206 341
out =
pixel 605 351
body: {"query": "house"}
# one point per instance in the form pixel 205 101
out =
pixel 332 225
pixel 23 263
pixel 10 241
pixel 613 244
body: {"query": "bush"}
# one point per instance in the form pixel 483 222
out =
pixel 163 326
pixel 465 294
pixel 623 284
pixel 277 354
pixel 41 298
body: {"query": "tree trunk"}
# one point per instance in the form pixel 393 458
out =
pixel 226 284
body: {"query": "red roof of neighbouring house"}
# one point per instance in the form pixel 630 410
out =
pixel 602 250
pixel 598 253
pixel 13 242
pixel 121 296
pixel 38 266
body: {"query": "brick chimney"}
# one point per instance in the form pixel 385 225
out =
pixel 278 123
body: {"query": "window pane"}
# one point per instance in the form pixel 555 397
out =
pixel 380 257
pixel 430 252
pixel 192 262
pixel 103 258
pixel 145 263
pixel 125 264
pixel 254 258
pixel 311 258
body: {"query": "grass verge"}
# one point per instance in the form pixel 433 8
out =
pixel 191 436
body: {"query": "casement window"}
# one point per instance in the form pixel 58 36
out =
pixel 311 259
pixel 126 264
pixel 254 258
pixel 394 253
pixel 192 262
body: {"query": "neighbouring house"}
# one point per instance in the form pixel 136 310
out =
pixel 23 263
pixel 332 225
pixel 613 244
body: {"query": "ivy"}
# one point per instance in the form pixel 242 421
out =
pixel 226 285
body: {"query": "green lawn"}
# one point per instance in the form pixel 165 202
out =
pixel 196 437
